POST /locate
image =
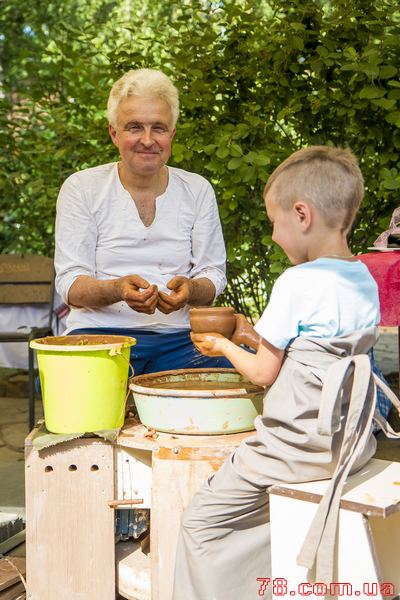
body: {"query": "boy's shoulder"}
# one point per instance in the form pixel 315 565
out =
pixel 299 271
pixel 323 270
pixel 325 265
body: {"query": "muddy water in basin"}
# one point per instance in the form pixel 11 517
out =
pixel 207 385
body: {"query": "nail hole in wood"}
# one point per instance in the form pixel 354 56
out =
pixel 94 468
pixel 48 469
pixel 72 468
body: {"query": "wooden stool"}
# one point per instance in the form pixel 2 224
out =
pixel 368 559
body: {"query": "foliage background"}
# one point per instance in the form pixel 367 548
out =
pixel 257 81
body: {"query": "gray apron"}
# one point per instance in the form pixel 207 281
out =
pixel 317 424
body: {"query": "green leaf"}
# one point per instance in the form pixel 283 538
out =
pixel 369 69
pixel 384 103
pixel 222 152
pixel 297 42
pixel 393 118
pixel 178 152
pixel 391 184
pixel 236 150
pixel 387 71
pixel 266 240
pixel 234 163
pixel 209 148
pixel 275 268
pixel 372 92
pixel 261 160
pixel 322 51
pixel 349 67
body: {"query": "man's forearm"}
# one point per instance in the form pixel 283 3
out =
pixel 202 292
pixel 93 293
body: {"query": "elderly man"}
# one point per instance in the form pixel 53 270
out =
pixel 139 242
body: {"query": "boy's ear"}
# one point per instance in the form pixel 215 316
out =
pixel 303 214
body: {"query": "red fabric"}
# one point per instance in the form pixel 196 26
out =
pixel 385 269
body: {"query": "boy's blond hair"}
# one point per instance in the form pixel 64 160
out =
pixel 148 83
pixel 328 177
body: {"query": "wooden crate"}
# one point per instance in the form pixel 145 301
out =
pixel 70 551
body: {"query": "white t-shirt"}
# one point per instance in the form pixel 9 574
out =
pixel 99 233
pixel 322 298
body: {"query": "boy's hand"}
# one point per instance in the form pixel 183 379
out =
pixel 210 344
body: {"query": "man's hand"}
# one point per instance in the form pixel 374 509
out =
pixel 138 293
pixel 210 344
pixel 180 295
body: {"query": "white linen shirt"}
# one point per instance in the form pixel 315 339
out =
pixel 99 234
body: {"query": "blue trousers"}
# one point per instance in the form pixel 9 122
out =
pixel 161 351
pixel 382 401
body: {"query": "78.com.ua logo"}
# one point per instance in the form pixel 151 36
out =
pixel 279 587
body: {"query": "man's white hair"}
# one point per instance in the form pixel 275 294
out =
pixel 148 83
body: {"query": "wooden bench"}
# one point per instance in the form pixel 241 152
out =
pixel 27 279
pixel 368 542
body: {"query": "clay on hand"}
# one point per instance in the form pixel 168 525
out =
pixel 207 343
pixel 245 333
pixel 178 298
pixel 138 294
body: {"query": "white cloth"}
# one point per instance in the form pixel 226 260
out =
pixel 317 299
pixel 22 317
pixel 99 233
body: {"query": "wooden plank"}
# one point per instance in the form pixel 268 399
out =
pixel 8 574
pixel 135 435
pixel 373 490
pixel 133 571
pixel 16 268
pixel 10 524
pixel 18 293
pixel 133 475
pixel 174 484
pixel 70 527
pixel 385 534
pixel 15 592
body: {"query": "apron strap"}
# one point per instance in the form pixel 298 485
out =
pixel 318 550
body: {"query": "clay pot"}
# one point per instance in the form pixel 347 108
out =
pixel 218 319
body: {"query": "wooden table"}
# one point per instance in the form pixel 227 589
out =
pixel 70 525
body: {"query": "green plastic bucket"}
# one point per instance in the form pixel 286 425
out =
pixel 84 381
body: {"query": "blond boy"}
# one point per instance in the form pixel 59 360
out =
pixel 315 332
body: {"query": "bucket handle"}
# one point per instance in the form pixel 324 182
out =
pixel 114 352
